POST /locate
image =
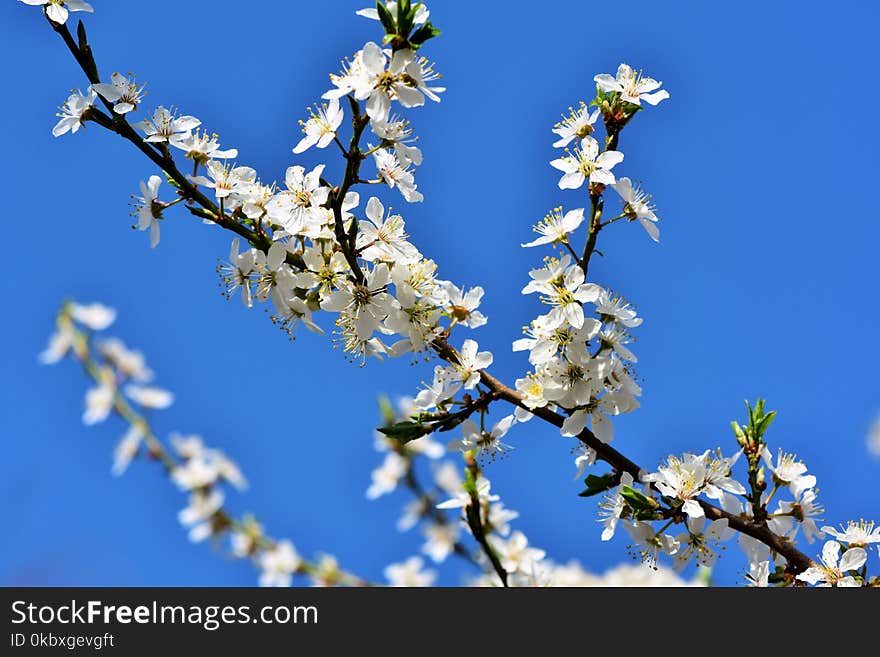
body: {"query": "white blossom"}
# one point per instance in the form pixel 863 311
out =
pixel 396 174
pixel 278 564
pixel 421 16
pixel 149 209
pixel 649 545
pixel 202 147
pixel 578 124
pixel 237 273
pixel 321 126
pixel 59 345
pixel 856 534
pixel 123 92
pixel 149 397
pixel 226 180
pixel 499 517
pixel 197 516
pixel 165 127
pixel 471 361
pixel 440 540
pixel 515 554
pixel 616 309
pixel 463 305
pixel 587 164
pixel 130 364
pixel 58 10
pixel 556 227
pixel 699 541
pixel 632 86
pixel 72 112
pixel 398 133
pixel 95 316
pixel 462 498
pixel 638 207
pixel 100 400
pixel 806 510
pixel 759 574
pixel 834 567
pixel 383 237
pixel 487 443
pixel 684 479
pixel 562 286
pixel 300 204
pixel 127 448
pixel 410 573
pixel 387 476
pixel 586 456
pixel 362 305
pixel 612 506
pixel 788 471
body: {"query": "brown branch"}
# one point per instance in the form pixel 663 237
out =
pixel 756 529
pixel 604 452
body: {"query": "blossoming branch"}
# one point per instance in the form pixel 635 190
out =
pixel 314 250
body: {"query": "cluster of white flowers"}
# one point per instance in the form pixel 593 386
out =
pixel 385 287
pixel 196 469
pixel 847 569
pixel 320 252
pixel 310 247
pixel 120 378
pixel 200 473
pixel 675 490
pixel 583 364
pixel 524 564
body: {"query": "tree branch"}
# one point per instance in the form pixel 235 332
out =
pixel 622 464
pixel 354 157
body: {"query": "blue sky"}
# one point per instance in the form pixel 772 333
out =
pixel 763 165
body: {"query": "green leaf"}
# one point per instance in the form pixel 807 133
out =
pixel 406 431
pixel 751 415
pixel 425 32
pixel 637 500
pixel 597 485
pixel 386 17
pixel 759 409
pixel 403 7
pixel 405 19
pixel 765 422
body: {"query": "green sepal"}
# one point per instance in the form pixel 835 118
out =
pixel 406 431
pixel 425 32
pixel 386 17
pixel 638 501
pixel 406 14
pixel 598 484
